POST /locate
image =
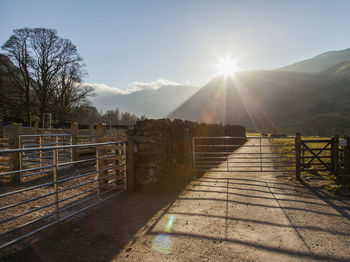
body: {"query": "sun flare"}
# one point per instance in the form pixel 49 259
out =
pixel 226 67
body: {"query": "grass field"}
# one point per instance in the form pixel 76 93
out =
pixel 312 170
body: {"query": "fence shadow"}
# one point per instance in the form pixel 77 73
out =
pixel 99 233
pixel 229 186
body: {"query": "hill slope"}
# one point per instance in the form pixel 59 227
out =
pixel 275 101
pixel 319 63
pixel 152 103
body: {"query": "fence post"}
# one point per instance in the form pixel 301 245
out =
pixel 36 127
pixel 101 132
pixel 40 153
pixel 74 130
pixel 130 175
pixel 335 155
pixel 261 160
pixel 54 162
pixel 297 155
pixel 1 129
pixel 91 132
pixel 20 154
pixel 227 164
pixel 187 148
pixel 193 154
pixel 13 134
pixel 347 155
pixel 98 168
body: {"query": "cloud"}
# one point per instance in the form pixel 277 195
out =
pixel 105 90
pixel 153 84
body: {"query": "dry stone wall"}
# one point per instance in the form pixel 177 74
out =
pixel 162 145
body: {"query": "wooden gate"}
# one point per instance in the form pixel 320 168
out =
pixel 313 155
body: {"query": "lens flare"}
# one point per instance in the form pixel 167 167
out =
pixel 169 225
pixel 162 242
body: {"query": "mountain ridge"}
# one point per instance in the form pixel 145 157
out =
pixel 318 63
pixel 277 101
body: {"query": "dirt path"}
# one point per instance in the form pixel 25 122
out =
pixel 247 216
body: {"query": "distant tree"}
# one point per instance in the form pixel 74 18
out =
pixel 143 117
pixel 87 115
pixel 128 119
pixel 108 117
pixel 50 67
pixel 117 116
pixel 112 117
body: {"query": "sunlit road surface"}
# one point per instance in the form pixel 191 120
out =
pixel 245 216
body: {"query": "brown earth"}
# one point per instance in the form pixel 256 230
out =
pixel 243 216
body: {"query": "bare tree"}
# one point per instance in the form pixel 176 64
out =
pixel 17 49
pixel 52 57
pixel 69 92
pixel 87 115
pixel 51 67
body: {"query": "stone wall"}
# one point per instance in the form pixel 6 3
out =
pixel 162 145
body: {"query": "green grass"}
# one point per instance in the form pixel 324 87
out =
pixel 253 134
pixel 325 178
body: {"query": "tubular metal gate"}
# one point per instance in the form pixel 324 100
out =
pixel 244 154
pixel 44 157
pixel 54 195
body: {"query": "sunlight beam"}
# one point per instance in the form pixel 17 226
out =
pixel 226 66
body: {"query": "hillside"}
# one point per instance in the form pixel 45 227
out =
pixel 8 102
pixel 319 63
pixel 152 103
pixel 275 101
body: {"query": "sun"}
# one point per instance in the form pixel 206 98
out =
pixel 226 66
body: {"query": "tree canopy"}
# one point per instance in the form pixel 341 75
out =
pixel 46 75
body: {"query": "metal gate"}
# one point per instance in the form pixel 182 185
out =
pixel 244 154
pixel 41 158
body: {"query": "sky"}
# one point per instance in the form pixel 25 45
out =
pixel 130 45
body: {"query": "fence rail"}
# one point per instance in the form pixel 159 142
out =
pixel 42 157
pixel 59 194
pixel 242 154
pixel 273 154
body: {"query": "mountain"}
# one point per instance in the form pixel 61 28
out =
pixel 319 63
pixel 276 101
pixel 311 96
pixel 152 103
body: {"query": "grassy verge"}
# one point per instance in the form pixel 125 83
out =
pixel 323 178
